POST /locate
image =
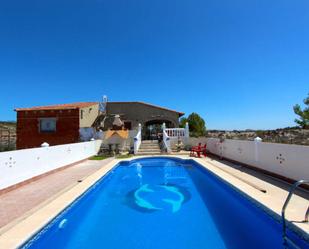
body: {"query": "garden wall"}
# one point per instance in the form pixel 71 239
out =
pixel 20 165
pixel 289 161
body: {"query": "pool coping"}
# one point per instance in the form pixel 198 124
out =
pixel 18 234
pixel 255 195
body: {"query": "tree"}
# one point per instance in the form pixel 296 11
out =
pixel 303 120
pixel 182 123
pixel 196 124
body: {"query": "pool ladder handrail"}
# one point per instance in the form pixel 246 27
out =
pixel 286 240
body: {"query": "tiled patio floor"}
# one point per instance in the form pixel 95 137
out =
pixel 18 202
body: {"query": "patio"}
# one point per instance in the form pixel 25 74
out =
pixel 21 202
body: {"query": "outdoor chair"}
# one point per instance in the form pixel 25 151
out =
pixel 198 150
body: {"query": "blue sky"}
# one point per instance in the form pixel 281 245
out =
pixel 239 64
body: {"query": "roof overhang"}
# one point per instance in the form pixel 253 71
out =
pixel 147 104
pixel 58 107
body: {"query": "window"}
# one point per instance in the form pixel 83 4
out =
pixel 81 114
pixel 47 124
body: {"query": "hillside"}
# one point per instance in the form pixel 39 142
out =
pixel 288 135
pixel 8 125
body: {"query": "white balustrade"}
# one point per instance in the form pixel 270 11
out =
pixel 177 132
pixel 174 135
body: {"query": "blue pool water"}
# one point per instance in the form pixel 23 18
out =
pixel 160 203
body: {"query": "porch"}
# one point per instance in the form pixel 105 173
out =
pixel 165 138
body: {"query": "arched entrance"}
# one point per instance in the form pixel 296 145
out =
pixel 152 129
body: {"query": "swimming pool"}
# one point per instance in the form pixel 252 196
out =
pixel 164 203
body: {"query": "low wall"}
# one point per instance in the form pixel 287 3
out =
pixel 20 165
pixel 124 144
pixel 194 141
pixel 289 161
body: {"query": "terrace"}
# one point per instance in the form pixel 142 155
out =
pixel 57 175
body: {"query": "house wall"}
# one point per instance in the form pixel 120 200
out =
pixel 140 113
pixel 289 161
pixel 89 115
pixel 21 165
pixel 29 135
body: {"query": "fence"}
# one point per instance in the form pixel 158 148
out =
pixel 20 165
pixel 290 161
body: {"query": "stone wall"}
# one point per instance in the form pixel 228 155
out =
pixel 7 136
pixel 136 112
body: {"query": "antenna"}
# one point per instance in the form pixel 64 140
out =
pixel 103 104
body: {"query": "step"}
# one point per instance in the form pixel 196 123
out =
pixel 148 153
pixel 150 141
pixel 149 147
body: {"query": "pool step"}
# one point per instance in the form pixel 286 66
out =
pixel 149 147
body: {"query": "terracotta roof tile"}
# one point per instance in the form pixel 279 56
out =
pixel 58 107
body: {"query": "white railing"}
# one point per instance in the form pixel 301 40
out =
pixel 138 139
pixel 166 141
pixel 175 132
pixel 171 136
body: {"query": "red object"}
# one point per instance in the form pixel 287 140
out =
pixel 29 135
pixel 197 150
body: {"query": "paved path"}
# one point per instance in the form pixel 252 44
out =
pixel 19 202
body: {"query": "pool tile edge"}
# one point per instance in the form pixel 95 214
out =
pixel 25 229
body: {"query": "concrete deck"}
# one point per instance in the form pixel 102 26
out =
pixel 254 184
pixel 24 200
pixel 61 191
